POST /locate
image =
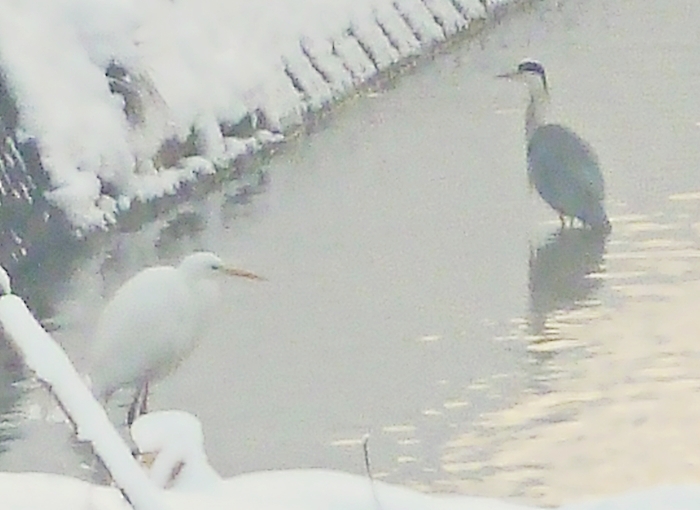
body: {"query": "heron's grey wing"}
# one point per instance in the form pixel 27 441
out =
pixel 555 150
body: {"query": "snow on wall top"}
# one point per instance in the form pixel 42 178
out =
pixel 119 95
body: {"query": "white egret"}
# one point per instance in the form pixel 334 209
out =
pixel 152 323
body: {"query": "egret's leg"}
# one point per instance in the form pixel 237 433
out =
pixel 563 221
pixel 132 414
pixel 144 402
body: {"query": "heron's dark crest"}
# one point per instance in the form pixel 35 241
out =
pixel 533 66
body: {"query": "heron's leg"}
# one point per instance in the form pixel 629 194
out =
pixel 144 402
pixel 563 220
pixel 571 222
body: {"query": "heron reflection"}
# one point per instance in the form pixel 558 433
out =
pixel 560 272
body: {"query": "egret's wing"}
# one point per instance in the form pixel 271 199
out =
pixel 140 327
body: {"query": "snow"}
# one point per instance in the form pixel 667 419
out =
pixel 187 68
pixel 41 491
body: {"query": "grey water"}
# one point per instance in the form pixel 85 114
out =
pixel 419 292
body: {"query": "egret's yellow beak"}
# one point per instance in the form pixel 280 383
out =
pixel 232 271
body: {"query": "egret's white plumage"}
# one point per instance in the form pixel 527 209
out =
pixel 153 322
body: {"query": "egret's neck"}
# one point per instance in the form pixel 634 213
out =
pixel 535 115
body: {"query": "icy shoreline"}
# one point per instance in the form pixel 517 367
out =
pixel 127 100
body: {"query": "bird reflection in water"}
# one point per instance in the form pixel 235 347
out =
pixel 560 270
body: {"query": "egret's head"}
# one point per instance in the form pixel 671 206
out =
pixel 203 263
pixel 530 72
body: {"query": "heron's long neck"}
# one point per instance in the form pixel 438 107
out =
pixel 535 115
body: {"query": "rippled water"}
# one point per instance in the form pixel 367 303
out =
pixel 614 402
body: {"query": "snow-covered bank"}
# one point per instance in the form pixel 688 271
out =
pixel 127 99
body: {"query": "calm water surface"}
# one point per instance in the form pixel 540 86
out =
pixel 418 292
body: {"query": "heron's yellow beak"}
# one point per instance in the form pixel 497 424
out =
pixel 232 271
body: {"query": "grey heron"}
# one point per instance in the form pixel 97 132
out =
pixel 561 165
